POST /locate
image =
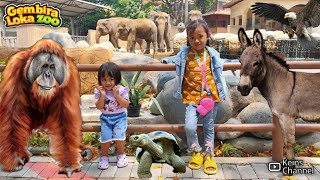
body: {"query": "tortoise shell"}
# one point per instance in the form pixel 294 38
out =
pixel 157 136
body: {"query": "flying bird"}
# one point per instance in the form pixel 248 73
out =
pixel 309 16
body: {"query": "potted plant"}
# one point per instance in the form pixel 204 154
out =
pixel 136 94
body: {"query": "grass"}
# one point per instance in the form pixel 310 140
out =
pixel 298 148
pixel 91 138
pixel 39 139
pixel 228 150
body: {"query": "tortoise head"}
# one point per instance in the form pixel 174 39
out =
pixel 139 140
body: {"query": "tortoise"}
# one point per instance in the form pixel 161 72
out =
pixel 157 147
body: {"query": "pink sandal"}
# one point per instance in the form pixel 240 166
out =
pixel 122 161
pixel 103 163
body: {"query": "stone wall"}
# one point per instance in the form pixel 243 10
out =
pixel 29 35
pixel 89 80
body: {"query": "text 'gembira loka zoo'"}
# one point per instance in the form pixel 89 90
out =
pixel 32 14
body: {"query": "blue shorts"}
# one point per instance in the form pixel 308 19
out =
pixel 113 127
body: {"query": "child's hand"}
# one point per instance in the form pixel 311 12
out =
pixel 102 90
pixel 115 90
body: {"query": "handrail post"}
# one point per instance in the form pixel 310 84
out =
pixel 277 142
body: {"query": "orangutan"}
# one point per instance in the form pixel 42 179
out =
pixel 41 89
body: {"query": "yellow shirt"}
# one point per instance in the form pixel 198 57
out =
pixel 192 80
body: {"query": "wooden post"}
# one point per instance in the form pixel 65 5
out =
pixel 277 141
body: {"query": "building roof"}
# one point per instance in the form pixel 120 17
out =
pixel 219 12
pixel 232 3
pixel 69 8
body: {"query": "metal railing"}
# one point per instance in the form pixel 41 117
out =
pixel 277 142
pixel 9 41
pixel 78 38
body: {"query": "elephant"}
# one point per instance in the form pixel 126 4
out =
pixel 162 21
pixel 110 26
pixel 194 15
pixel 139 28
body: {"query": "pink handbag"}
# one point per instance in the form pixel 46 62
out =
pixel 206 105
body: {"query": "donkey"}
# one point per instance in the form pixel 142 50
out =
pixel 290 94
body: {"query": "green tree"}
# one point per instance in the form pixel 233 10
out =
pixel 130 8
pixel 175 8
pixel 204 5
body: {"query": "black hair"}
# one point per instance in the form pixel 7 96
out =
pixel 192 26
pixel 112 69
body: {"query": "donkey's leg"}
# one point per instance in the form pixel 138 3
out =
pixel 288 128
pixel 291 135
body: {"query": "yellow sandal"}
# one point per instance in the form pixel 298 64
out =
pixel 209 162
pixel 197 158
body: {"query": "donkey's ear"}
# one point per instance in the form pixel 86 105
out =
pixel 243 38
pixel 257 38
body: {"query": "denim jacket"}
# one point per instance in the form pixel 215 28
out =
pixel 216 68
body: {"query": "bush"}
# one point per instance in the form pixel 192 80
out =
pixel 228 150
pixel 91 138
pixel 136 92
pixel 298 148
pixel 39 139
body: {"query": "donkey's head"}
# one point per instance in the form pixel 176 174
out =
pixel 252 61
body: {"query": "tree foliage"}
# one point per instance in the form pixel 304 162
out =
pixel 135 9
pixel 130 8
pixel 204 5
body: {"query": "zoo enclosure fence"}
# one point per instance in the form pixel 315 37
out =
pixel 277 143
pixel 11 41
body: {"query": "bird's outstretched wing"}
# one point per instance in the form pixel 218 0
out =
pixel 272 11
pixel 311 14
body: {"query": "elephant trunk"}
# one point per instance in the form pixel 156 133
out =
pixel 161 30
pixel 98 35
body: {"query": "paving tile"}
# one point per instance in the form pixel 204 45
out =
pixel 88 178
pixel 35 169
pixel 49 170
pixel 82 173
pixel 314 176
pixel 89 171
pixel 4 174
pixel 219 174
pixel 262 171
pixel 124 172
pixel 134 170
pixel 21 172
pixel 41 159
pixel 167 171
pixel 187 174
pixel 110 172
pixel 246 171
pixel 93 171
pixel 317 167
pixel 200 174
pixel 156 169
pixel 230 171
